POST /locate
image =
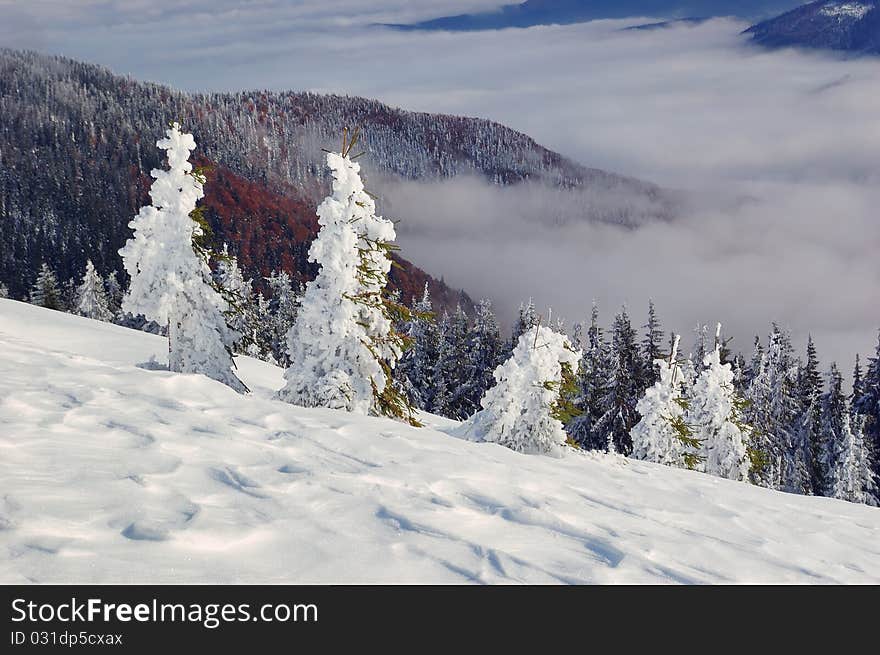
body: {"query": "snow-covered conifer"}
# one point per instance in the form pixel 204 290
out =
pixel 588 429
pixel 417 365
pixel 238 294
pixel 662 435
pixel 45 291
pixel 652 350
pixel 715 415
pixel 170 280
pixel 4 291
pixel 91 298
pixel 343 346
pixel 484 353
pixel 284 306
pixel 524 410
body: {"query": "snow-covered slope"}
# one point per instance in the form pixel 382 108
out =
pixel 114 473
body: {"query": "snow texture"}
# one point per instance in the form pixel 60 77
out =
pixel 114 474
pixel 517 411
pixel 339 336
pixel 170 283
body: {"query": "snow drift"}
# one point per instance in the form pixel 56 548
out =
pixel 110 472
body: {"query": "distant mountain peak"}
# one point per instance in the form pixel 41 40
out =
pixel 851 26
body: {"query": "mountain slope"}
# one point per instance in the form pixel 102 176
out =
pixel 114 473
pixel 845 25
pixel 563 12
pixel 77 145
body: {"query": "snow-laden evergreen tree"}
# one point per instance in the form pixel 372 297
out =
pixel 238 294
pixel 45 292
pixel 867 405
pixel 4 291
pixel 114 293
pixel 652 347
pixel 263 331
pixel 343 347
pixel 526 319
pixel 284 306
pixel 451 369
pixel 662 436
pixel 624 385
pixel 417 365
pixel 715 415
pixel 772 412
pixel 587 429
pixel 809 423
pixel 91 298
pixel 171 280
pixel 526 408
pixel 485 350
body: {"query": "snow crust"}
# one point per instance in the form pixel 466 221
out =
pixel 110 472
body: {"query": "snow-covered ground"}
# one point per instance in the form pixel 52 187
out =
pixel 114 473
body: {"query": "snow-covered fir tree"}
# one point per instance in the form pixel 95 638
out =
pixel 844 454
pixel 715 416
pixel 524 410
pixel 624 387
pixel 772 412
pixel 238 294
pixel 662 435
pixel 4 291
pixel 46 292
pixel 91 298
pixel 171 281
pixel 451 369
pixel 114 293
pixel 485 350
pixel 809 422
pixel 417 364
pixel 526 319
pixel 652 347
pixel 343 347
pixel 594 379
pixel 284 306
pixel 867 405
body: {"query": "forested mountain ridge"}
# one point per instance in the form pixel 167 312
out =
pixel 77 145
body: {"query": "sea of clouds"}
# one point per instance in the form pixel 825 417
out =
pixel 777 152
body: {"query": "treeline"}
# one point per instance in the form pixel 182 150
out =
pixel 807 435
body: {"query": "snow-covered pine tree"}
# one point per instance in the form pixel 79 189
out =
pixel 526 408
pixel 284 306
pixel 867 405
pixel 485 350
pixel 844 454
pixel 262 330
pixel 715 414
pixel 343 347
pixel 772 412
pixel 114 293
pixel 652 348
pixel 451 370
pixel 588 429
pixel 526 319
pixel 662 435
pixel 416 366
pixel 809 423
pixel 171 281
pixel 45 292
pixel 91 298
pixel 4 291
pixel 238 294
pixel 623 389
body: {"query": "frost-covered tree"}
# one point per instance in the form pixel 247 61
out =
pixel 809 422
pixel 91 298
pixel 4 291
pixel 526 408
pixel 238 294
pixel 45 292
pixel 772 412
pixel 343 346
pixel 844 454
pixel 171 281
pixel 484 353
pixel 715 415
pixel 624 389
pixel 452 369
pixel 526 319
pixel 652 348
pixel 662 435
pixel 284 306
pixel 114 293
pixel 587 429
pixel 867 405
pixel 417 364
